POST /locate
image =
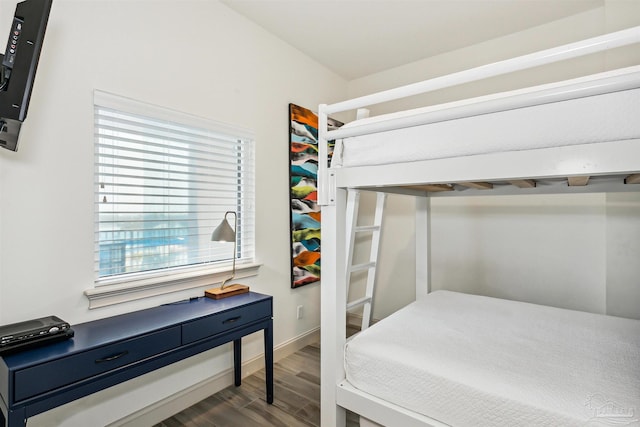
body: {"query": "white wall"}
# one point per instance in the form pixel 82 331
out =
pixel 198 57
pixel 568 251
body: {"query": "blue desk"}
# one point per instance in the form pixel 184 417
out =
pixel 109 351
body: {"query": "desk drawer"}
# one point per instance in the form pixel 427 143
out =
pixel 33 381
pixel 225 321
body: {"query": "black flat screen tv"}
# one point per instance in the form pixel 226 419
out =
pixel 18 68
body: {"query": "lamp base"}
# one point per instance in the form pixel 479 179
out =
pixel 228 291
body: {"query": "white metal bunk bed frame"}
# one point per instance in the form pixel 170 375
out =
pixel 608 158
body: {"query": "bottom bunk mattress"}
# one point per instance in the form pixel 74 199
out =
pixel 468 360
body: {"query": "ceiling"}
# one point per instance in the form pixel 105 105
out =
pixel 356 38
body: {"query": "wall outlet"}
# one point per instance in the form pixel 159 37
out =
pixel 299 312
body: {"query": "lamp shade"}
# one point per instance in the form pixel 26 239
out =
pixel 223 232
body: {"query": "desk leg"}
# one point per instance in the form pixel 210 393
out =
pixel 237 361
pixel 268 360
pixel 14 418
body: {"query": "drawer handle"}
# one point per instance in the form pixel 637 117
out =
pixel 232 320
pixel 113 357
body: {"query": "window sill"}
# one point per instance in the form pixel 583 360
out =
pixel 131 290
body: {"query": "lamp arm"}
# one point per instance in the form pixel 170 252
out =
pixel 233 271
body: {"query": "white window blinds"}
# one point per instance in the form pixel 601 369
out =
pixel 163 182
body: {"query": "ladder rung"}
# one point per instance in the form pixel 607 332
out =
pixel 360 267
pixel 358 302
pixel 367 228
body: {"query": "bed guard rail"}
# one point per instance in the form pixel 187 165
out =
pixel 568 51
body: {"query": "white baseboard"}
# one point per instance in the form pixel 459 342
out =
pixel 177 402
pixel 355 319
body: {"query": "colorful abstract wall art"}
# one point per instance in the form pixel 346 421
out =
pixel 305 211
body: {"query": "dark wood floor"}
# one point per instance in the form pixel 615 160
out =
pixel 296 398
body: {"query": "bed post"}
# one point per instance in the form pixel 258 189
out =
pixel 333 304
pixel 423 246
pixel 333 294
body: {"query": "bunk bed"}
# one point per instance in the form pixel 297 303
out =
pixel 456 359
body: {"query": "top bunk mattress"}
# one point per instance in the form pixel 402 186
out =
pixel 503 122
pixel 469 360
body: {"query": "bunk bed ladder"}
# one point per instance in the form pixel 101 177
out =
pixel 374 231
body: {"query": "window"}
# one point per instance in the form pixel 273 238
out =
pixel 163 182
